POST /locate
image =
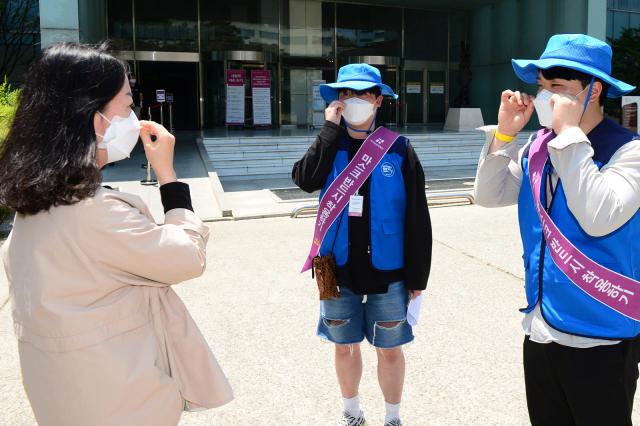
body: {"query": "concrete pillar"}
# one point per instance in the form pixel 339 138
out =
pixel 72 20
pixel 597 19
pixel 59 21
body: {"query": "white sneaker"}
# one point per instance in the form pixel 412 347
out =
pixel 347 419
pixel 394 422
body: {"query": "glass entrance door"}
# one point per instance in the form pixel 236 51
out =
pixel 247 67
pixel 436 97
pixel 416 96
pixel 177 78
pixel 388 113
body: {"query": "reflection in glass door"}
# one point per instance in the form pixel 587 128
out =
pixel 436 99
pixel 415 96
pixel 388 114
pixel 248 94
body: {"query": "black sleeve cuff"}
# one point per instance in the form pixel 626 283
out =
pixel 175 195
pixel 331 131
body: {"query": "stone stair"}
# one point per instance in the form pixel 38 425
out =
pixel 273 157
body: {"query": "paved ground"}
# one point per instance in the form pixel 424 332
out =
pixel 259 315
pixel 128 173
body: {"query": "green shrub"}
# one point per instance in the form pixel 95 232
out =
pixel 8 104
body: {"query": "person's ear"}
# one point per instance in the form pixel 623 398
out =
pixel 596 90
pixel 379 101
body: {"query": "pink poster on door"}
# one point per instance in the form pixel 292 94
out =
pixel 261 91
pixel 235 97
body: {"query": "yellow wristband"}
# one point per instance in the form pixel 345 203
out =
pixel 504 138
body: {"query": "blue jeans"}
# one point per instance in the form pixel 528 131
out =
pixel 360 319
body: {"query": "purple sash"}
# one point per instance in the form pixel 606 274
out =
pixel 347 184
pixel 606 286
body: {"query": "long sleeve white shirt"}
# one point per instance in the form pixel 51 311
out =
pixel 602 200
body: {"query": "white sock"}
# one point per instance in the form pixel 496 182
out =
pixel 352 405
pixel 393 412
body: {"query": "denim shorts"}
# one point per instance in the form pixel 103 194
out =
pixel 361 318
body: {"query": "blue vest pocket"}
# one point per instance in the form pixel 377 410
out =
pixel 393 236
pixel 393 226
pixel 580 308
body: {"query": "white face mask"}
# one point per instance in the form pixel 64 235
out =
pixel 132 81
pixel 357 111
pixel 120 137
pixel 544 108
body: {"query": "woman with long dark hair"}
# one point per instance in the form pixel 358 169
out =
pixel 103 339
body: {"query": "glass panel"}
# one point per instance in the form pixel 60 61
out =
pixel 169 26
pixel 178 78
pixel 214 87
pixel 414 90
pixel 296 95
pixel 436 97
pixel 369 30
pixel 635 5
pixel 620 20
pixel 456 20
pixel 634 20
pixel 425 35
pixel 239 25
pixel 120 19
pixel 609 23
pixel 387 115
pixel 307 28
pixel 623 4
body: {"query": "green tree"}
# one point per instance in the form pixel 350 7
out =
pixel 625 64
pixel 8 104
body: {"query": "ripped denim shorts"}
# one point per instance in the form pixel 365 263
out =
pixel 361 315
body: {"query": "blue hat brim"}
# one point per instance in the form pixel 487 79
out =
pixel 527 70
pixel 329 92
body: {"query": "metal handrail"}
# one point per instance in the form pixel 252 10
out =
pixel 301 209
pixel 311 207
pixel 451 196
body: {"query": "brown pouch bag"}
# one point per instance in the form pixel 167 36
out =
pixel 325 274
pixel 325 271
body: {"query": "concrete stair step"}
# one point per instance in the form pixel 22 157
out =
pixel 257 176
pixel 449 162
pixel 262 158
pixel 249 170
pixel 256 147
pixel 237 161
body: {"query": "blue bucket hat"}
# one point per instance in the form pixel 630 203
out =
pixel 576 51
pixel 355 77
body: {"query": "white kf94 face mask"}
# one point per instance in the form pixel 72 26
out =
pixel 120 137
pixel 544 108
pixel 357 111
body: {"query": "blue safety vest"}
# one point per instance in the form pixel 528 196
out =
pixel 388 203
pixel 564 305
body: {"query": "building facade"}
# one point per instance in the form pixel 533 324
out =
pixel 187 47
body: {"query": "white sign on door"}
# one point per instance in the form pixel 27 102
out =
pixel 413 87
pixel 437 88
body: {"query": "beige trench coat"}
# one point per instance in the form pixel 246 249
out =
pixel 103 338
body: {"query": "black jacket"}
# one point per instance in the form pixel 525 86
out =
pixel 358 275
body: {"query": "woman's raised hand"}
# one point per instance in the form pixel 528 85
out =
pixel 160 152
